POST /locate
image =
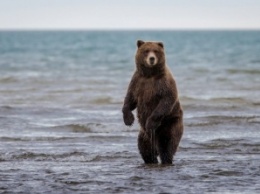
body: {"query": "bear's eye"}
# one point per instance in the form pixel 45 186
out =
pixel 156 51
pixel 146 51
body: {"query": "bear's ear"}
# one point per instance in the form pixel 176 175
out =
pixel 160 44
pixel 139 43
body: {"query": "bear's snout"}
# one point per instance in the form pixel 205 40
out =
pixel 151 59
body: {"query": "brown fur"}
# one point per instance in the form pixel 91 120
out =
pixel 153 92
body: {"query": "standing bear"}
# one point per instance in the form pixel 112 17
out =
pixel 153 92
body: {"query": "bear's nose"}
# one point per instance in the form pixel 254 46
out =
pixel 152 59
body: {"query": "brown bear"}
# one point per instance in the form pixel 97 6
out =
pixel 153 92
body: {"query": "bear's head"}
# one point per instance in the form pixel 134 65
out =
pixel 150 57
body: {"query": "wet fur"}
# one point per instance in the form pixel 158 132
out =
pixel 153 92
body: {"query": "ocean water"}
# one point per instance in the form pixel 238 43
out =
pixel 61 127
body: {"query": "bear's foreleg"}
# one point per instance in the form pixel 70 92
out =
pixel 129 106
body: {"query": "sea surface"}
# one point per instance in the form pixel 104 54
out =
pixel 61 127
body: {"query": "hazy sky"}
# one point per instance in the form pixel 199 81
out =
pixel 129 14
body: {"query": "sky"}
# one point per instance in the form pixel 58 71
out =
pixel 129 14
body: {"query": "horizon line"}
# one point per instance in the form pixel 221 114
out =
pixel 129 29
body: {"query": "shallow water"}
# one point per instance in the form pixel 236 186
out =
pixel 61 128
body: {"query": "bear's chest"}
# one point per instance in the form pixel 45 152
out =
pixel 146 91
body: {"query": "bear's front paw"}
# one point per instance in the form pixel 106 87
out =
pixel 129 118
pixel 151 124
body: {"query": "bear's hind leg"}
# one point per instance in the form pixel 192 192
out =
pixel 169 140
pixel 145 148
pixel 166 151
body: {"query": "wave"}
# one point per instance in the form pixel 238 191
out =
pixel 238 100
pixel 230 99
pixel 218 103
pixel 109 157
pixel 210 120
pixel 26 155
pixel 254 120
pixel 8 79
pixel 103 100
pixel 82 128
pixel 25 139
pixel 67 156
pixel 255 61
pixel 243 71
pixel 94 128
pixel 6 107
pixel 229 143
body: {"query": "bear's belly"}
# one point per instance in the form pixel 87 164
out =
pixel 145 109
pixel 147 97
